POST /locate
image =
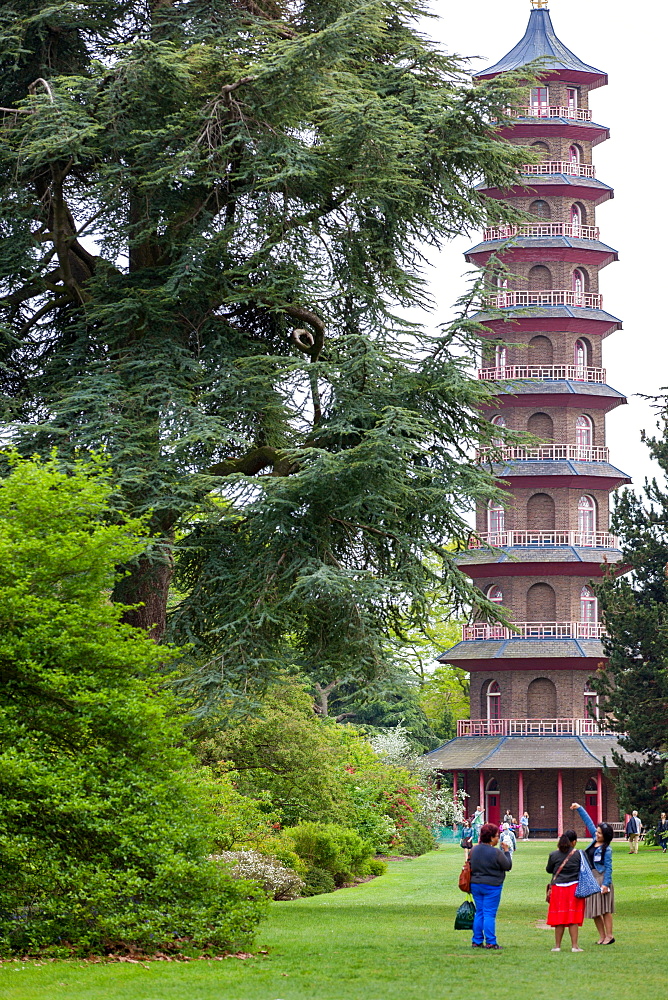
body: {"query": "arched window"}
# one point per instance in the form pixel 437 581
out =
pixel 574 154
pixel 580 354
pixel 541 699
pixel 579 283
pixel 584 431
pixel 501 356
pixel 493 702
pixel 541 351
pixel 541 603
pixel 498 421
pixel 540 208
pixel 541 425
pixel 539 278
pixel 495 594
pixel 576 219
pixel 590 703
pixel 541 514
pixel 539 101
pixel 588 606
pixel 586 516
pixel 496 518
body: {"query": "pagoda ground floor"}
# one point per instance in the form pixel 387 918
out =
pixel 545 793
pixel 542 775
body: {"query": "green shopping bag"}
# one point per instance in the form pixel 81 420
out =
pixel 465 915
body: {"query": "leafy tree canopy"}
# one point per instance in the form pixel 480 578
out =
pixel 106 826
pixel 212 214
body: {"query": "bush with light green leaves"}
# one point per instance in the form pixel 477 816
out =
pixel 106 824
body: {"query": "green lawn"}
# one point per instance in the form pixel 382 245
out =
pixel 393 939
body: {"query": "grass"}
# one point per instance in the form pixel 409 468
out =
pixel 393 939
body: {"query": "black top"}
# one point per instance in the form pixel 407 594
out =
pixel 489 865
pixel 571 870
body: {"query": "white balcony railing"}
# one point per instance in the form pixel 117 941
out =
pixel 533 630
pixel 532 727
pixel 547 373
pixel 575 114
pixel 559 167
pixel 545 453
pixel 546 297
pixel 544 539
pixel 543 229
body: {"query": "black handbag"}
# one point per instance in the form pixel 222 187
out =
pixel 465 915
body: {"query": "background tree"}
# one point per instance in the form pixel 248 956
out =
pixel 634 687
pixel 211 214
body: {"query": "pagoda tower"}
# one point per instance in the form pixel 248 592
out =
pixel 531 742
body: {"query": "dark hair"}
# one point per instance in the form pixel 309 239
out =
pixel 566 841
pixel 607 831
pixel 487 833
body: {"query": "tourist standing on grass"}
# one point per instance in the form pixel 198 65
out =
pixel 633 831
pixel 565 909
pixel 524 824
pixel 662 833
pixel 477 822
pixel 467 839
pixel 508 817
pixel 507 839
pixel 488 871
pixel 601 906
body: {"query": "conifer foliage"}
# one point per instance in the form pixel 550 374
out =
pixel 634 688
pixel 211 212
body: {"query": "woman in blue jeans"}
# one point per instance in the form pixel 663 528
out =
pixel 488 871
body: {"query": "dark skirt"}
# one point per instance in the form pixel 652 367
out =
pixel 600 902
pixel 565 907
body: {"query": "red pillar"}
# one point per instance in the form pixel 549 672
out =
pixel 482 791
pixel 560 803
pixel 599 796
pixel 455 786
pixel 520 794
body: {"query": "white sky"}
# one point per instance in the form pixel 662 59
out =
pixel 629 43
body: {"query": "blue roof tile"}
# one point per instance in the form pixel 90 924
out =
pixel 541 42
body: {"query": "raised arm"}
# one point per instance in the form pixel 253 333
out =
pixel 585 817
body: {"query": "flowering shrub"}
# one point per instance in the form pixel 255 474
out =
pixel 278 882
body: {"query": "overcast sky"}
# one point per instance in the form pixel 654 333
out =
pixel 628 41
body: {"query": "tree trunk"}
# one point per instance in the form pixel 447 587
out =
pixel 323 693
pixel 146 583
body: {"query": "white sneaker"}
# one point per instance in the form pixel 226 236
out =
pixel 556 949
pixel 577 949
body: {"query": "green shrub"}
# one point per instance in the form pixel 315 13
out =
pixel 340 851
pixel 416 840
pixel 376 866
pixel 106 825
pixel 317 881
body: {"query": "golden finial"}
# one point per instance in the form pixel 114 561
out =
pixel 539 3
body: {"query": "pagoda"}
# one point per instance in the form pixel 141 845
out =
pixel 534 741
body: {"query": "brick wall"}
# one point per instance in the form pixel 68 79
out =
pixel 569 686
pixel 557 422
pixel 561 275
pixel 534 348
pixel 556 599
pixel 519 513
